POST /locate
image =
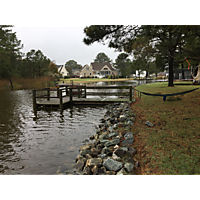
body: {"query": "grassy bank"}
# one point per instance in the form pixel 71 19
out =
pixel 92 80
pixel 26 83
pixel 172 145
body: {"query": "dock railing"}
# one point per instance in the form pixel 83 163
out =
pixel 77 91
pixel 61 92
pixel 121 93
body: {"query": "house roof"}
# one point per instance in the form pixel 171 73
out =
pixel 99 66
pixel 60 68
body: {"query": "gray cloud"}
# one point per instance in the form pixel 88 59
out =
pixel 61 44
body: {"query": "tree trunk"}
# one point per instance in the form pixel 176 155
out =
pixel 171 73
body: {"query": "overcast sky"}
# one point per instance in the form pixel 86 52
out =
pixel 61 44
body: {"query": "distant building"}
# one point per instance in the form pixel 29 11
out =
pixel 141 74
pixel 99 70
pixel 76 72
pixel 62 70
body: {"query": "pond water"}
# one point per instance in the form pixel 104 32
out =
pixel 45 143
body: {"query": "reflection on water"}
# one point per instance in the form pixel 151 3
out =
pixel 44 144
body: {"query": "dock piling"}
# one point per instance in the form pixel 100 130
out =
pixel 61 99
pixel 34 101
pixel 130 93
pixel 48 94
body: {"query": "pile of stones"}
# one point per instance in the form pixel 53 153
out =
pixel 111 153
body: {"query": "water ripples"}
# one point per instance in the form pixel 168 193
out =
pixel 32 144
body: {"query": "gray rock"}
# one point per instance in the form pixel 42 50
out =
pixel 82 159
pixel 132 119
pixel 112 165
pixel 102 156
pixel 128 135
pixel 106 151
pixel 110 129
pixel 148 124
pixel 115 126
pixel 128 141
pixel 130 160
pixel 115 157
pixel 96 136
pixel 84 147
pixel 132 151
pixel 84 152
pixel 87 171
pixel 98 171
pixel 112 142
pixel 129 123
pixel 121 172
pixel 98 131
pixel 94 152
pixel 124 148
pixel 79 165
pixel 113 134
pixel 88 156
pixel 120 152
pixel 103 137
pixel 94 161
pixel 129 167
pixel 103 141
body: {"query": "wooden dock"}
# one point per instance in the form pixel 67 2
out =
pixel 68 95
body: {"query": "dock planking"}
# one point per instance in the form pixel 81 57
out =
pixel 77 95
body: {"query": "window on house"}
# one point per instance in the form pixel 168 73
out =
pixel 87 68
pixel 84 74
pixel 90 74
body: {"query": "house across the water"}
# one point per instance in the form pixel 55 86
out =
pixel 98 70
pixel 62 70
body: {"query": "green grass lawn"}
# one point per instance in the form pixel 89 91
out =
pixel 172 145
pixel 89 80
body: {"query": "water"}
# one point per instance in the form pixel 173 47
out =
pixel 47 143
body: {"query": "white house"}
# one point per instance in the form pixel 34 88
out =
pixel 142 74
pixel 62 70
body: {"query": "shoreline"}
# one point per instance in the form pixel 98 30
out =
pixel 112 152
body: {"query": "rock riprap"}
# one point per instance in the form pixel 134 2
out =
pixel 111 153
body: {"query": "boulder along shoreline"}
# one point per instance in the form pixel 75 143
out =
pixel 111 153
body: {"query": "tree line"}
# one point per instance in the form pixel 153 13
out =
pixel 14 63
pixel 152 46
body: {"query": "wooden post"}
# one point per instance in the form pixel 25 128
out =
pixel 34 101
pixel 48 94
pixel 85 92
pixel 66 90
pixel 78 92
pixel 130 92
pixel 61 99
pixel 70 95
pixel 57 92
